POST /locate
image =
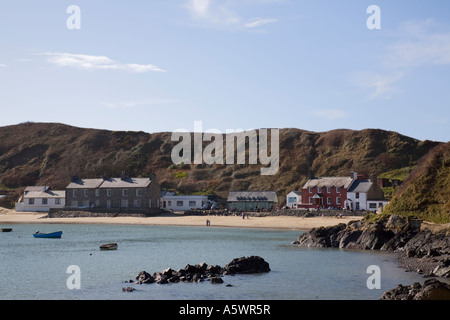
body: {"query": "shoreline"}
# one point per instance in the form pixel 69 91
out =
pixel 173 219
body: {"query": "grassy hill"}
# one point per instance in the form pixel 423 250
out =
pixel 50 153
pixel 425 193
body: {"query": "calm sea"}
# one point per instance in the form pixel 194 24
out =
pixel 37 268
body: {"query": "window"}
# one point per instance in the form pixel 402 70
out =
pixel 74 193
pixel 97 192
pixel 86 193
pixel 30 201
pixel 169 203
pixel 108 192
pixel 138 192
pixel 357 195
pixel 57 201
pixel 319 190
pixel 338 190
pixel 44 200
pixel 192 203
pixel 310 200
pixel 137 203
pixel 292 199
pixel 310 190
pixel 372 205
pixel 329 200
pixel 125 192
pixel 338 200
pixel 328 190
pixel 124 203
pixel 179 203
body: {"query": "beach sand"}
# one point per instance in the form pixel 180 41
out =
pixel 173 219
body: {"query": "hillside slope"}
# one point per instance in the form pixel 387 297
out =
pixel 425 193
pixel 50 153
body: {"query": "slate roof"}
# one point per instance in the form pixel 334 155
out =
pixel 360 186
pixel 47 194
pixel 85 184
pixel 110 183
pixel 270 196
pixel 36 188
pixel 341 182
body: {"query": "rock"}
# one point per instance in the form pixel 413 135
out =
pixel 432 289
pixel 253 264
pixel 128 289
pixel 144 277
pixel 216 279
pixel 214 270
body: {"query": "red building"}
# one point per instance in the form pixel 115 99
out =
pixel 325 192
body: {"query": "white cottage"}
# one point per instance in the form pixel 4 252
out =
pixel 365 194
pixel 41 199
pixel 293 199
pixel 171 201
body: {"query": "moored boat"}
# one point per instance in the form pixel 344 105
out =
pixel 5 229
pixel 56 234
pixel 109 246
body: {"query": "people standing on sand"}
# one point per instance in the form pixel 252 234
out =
pixel 208 223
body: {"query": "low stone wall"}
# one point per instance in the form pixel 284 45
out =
pixel 97 212
pixel 284 212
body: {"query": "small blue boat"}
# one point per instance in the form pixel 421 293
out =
pixel 56 234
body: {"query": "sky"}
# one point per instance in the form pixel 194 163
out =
pixel 160 65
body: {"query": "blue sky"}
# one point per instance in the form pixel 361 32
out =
pixel 161 65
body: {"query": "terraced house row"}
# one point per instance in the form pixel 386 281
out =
pixel 107 193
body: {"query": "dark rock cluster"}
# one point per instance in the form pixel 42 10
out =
pixel 432 289
pixel 201 272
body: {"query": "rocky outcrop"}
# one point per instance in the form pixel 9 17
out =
pixel 253 264
pixel 432 289
pixel 419 249
pixel 201 272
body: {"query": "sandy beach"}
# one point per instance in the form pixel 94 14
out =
pixel 275 222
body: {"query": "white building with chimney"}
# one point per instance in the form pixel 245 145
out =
pixel 40 199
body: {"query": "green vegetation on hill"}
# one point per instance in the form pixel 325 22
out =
pixel 395 177
pixel 425 193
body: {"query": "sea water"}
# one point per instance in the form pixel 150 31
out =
pixel 32 268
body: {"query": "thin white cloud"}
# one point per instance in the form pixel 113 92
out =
pixel 3 65
pixel 379 85
pixel 220 14
pixel 331 114
pixel 258 22
pixel 93 62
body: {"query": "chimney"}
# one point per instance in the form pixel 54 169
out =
pixel 152 177
pixel 44 188
pixel 354 175
pixel 123 176
pixel 75 178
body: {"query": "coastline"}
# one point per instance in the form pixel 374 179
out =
pixel 173 219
